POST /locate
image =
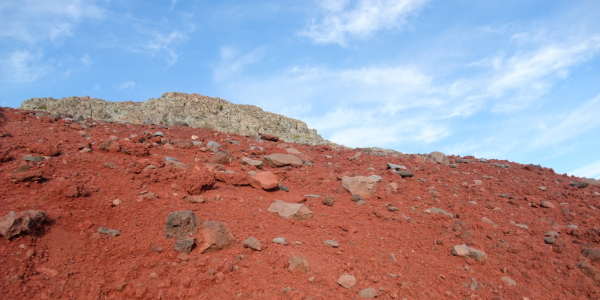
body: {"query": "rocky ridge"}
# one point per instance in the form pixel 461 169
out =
pixel 179 108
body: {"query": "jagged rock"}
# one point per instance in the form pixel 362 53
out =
pixel 395 167
pixel 217 236
pixel 298 265
pixel 277 160
pixel 328 200
pixel 207 112
pixel 466 251
pixel 181 224
pixel 360 185
pixel 579 184
pixel 197 183
pixel 265 180
pixel 269 137
pixel 221 157
pixel 184 245
pixel 405 174
pixel 331 243
pixel 438 157
pixel 14 224
pixel 295 211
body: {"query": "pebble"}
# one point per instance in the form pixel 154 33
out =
pixel 331 243
pixel 347 281
pixel 279 240
pixel 368 293
pixel 113 232
pixel 509 281
pixel 159 133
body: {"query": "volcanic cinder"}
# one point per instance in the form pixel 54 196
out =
pixel 84 206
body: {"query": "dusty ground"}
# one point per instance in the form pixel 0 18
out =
pixel 403 254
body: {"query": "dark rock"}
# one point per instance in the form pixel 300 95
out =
pixel 579 184
pixel 269 137
pixel 405 174
pixel 180 123
pixel 181 224
pixel 328 200
pixel 184 245
pixel 32 158
pixel 356 198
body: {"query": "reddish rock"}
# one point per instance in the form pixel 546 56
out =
pixel 44 148
pixel 298 265
pixel 294 211
pixel 265 180
pixel 236 179
pixel 28 176
pixel 278 160
pixel 196 183
pixel 360 185
pixel 134 149
pixel 466 251
pixel 221 157
pixel 269 137
pixel 216 236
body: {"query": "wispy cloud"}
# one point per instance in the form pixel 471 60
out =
pixel 166 43
pixel 232 63
pixel 128 85
pixel 33 21
pixel 590 171
pixel 24 66
pixel 341 21
pixel 86 60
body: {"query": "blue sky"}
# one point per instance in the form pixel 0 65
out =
pixel 511 79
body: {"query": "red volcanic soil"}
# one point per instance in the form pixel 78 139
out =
pixel 507 210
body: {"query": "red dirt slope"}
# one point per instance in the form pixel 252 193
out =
pixel 538 231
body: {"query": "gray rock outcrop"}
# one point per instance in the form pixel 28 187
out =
pixel 193 109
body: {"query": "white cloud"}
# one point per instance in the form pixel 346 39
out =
pixel 128 85
pixel 173 2
pixel 33 21
pixel 24 66
pixel 166 43
pixel 86 60
pixel 590 171
pixel 233 64
pixel 339 22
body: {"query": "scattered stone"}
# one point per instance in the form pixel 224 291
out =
pixel 434 210
pixel 253 243
pixel 294 211
pixel 347 281
pixel 464 161
pixel 181 224
pixel 269 137
pixel 117 202
pixel 168 158
pixel 159 133
pixel 356 198
pixel 331 243
pixel 217 236
pixel 552 234
pixel 360 185
pixel 252 162
pixel 550 240
pixel 328 200
pixel 466 251
pixel 509 281
pixel 477 182
pixel 547 204
pixel 392 208
pixel 284 188
pixel 279 240
pixel 298 265
pixel 222 157
pixel 312 279
pixel 32 158
pixel 277 160
pixel 184 245
pixel 368 293
pixel 361 202
pixel 395 167
pixel 107 231
pixel 438 157
pixel 405 174
pixel 592 253
pixel 579 184
pixel 195 199
pixel 213 144
pixel 312 196
pixel 489 222
pixel 590 271
pixel 265 180
pixel 14 224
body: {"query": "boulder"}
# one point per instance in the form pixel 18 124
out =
pixel 265 180
pixel 216 236
pixel 14 224
pixel 360 185
pixel 277 160
pixel 181 224
pixel 438 157
pixel 294 211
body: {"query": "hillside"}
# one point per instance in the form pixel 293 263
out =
pixel 111 210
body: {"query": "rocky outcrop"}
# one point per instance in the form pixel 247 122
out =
pixel 193 109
